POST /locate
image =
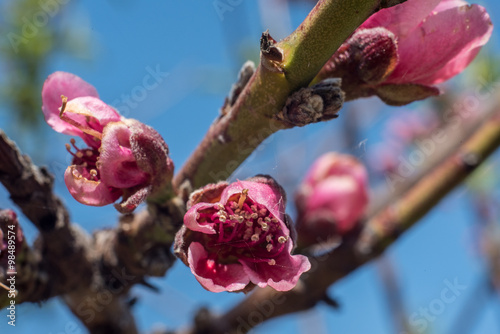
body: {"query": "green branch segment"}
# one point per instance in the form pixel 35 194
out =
pixel 293 64
pixel 328 25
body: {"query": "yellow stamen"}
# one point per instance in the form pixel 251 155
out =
pixel 243 197
pixel 64 101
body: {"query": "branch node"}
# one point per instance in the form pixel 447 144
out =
pixel 271 56
pixel 318 103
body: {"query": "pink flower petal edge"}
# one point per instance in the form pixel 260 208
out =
pixel 403 18
pixel 213 276
pixel 89 114
pixel 442 46
pixel 88 192
pixel 283 276
pixel 69 85
pixel 117 164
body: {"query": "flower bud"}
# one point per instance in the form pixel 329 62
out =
pixel 331 199
pixel 318 103
pixel 368 57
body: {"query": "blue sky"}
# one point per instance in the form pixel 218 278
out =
pixel 199 51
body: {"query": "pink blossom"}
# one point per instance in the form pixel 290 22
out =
pixel 401 52
pixel 237 236
pixel 409 126
pixel 331 199
pixel 436 39
pixel 125 158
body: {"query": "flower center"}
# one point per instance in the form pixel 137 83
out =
pixel 244 229
pixel 86 159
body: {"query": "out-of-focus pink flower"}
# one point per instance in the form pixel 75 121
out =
pixel 237 236
pixel 400 52
pixel 331 199
pixel 409 126
pixel 125 158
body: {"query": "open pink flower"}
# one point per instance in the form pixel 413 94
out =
pixel 237 236
pixel 400 52
pixel 125 158
pixel 331 199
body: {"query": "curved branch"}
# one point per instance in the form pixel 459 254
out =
pixel 30 188
pixel 379 233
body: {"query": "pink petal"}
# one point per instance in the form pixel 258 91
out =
pixel 150 152
pixel 89 114
pixel 330 164
pixel 117 165
pixel 283 275
pixel 261 193
pixel 447 4
pixel 442 46
pixel 403 18
pixel 342 198
pixel 210 193
pixel 191 218
pixel 89 192
pixel 214 276
pixel 69 85
pixel 454 66
pixel 132 198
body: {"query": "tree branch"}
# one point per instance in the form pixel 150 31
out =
pixel 285 67
pixel 93 274
pixel 365 245
pixel 30 188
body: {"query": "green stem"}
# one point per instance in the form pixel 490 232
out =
pixel 309 47
pixel 234 136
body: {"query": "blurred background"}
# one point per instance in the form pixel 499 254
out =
pixel 438 278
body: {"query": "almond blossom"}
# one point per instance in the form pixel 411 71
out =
pixel 124 158
pixel 236 236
